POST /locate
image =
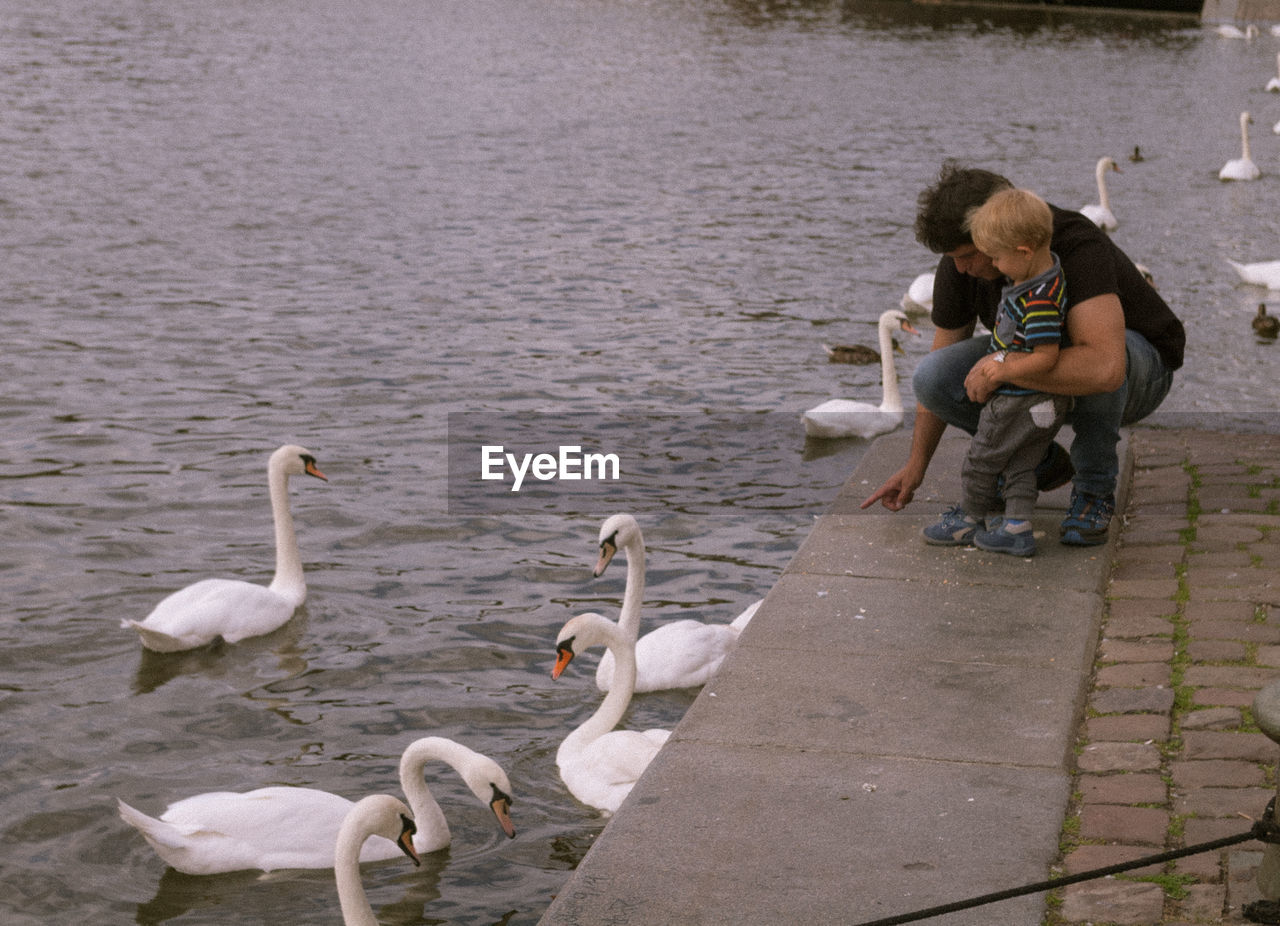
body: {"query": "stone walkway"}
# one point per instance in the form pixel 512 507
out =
pixel 1169 754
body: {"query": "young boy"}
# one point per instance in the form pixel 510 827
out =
pixel 1015 428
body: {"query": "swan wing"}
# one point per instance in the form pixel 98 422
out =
pixel 603 773
pixel 212 608
pixel 1264 273
pixel 846 418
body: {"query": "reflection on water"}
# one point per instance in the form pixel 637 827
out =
pixel 230 226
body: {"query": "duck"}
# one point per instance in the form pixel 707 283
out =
pixel 1241 168
pixel 231 609
pixel 858 354
pixel 918 299
pixel 378 815
pixel 1273 85
pixel 1100 213
pixel 679 654
pixel 1264 273
pixel 295 827
pixel 1136 155
pixel 599 764
pixel 1267 326
pixel 837 418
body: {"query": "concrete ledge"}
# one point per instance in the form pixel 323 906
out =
pixel 894 731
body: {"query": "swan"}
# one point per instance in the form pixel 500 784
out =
pixel 679 654
pixel 1265 273
pixel 1230 31
pixel 599 764
pixel 1100 213
pixel 1273 85
pixel 376 815
pixel 847 418
pixel 288 827
pixel 919 295
pixel 230 608
pixel 1267 326
pixel 1241 168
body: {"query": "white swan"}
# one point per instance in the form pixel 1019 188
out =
pixel 1231 31
pixel 230 608
pixel 679 654
pixel 376 815
pixel 919 295
pixel 286 827
pixel 1100 213
pixel 1265 273
pixel 1241 168
pixel 599 764
pixel 847 418
pixel 1273 85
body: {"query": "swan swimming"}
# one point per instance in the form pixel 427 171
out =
pixel 1100 213
pixel 919 295
pixel 230 608
pixel 600 765
pixel 1264 273
pixel 290 827
pixel 1241 168
pixel 678 654
pixel 848 418
pixel 376 815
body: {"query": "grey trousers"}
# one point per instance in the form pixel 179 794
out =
pixel 1010 440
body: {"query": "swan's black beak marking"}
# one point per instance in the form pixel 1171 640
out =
pixel 309 464
pixel 405 842
pixel 501 806
pixel 608 547
pixel 564 656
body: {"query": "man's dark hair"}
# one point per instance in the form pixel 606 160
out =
pixel 943 207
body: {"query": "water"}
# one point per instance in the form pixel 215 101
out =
pixel 229 226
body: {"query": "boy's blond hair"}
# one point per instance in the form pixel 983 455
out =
pixel 1011 219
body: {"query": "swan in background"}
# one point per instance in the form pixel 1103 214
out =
pixel 1230 31
pixel 848 418
pixel 1100 213
pixel 599 764
pixel 679 654
pixel 287 827
pixel 1267 326
pixel 1241 168
pixel 919 295
pixel 1266 273
pixel 376 815
pixel 1273 85
pixel 230 608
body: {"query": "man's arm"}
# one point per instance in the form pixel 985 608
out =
pixel 1093 363
pixel 898 489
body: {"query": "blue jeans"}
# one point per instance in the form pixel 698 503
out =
pixel 1096 419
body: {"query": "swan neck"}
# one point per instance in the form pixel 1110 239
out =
pixel 633 595
pixel 1103 199
pixel 433 827
pixel 614 705
pixel 288 578
pixel 1244 136
pixel 888 372
pixel 356 909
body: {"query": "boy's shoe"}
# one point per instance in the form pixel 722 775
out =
pixel 1054 469
pixel 1087 519
pixel 1012 537
pixel 955 529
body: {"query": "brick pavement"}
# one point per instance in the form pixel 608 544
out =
pixel 1168 753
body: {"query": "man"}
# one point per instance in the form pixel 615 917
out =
pixel 1122 345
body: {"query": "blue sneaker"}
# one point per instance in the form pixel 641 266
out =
pixel 1007 536
pixel 955 529
pixel 1087 519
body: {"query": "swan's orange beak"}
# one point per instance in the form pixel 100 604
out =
pixel 313 470
pixel 405 842
pixel 501 805
pixel 909 328
pixel 564 656
pixel 607 550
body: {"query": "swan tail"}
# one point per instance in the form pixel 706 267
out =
pixel 161 835
pixel 157 640
pixel 741 621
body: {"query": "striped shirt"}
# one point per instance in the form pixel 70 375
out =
pixel 1030 314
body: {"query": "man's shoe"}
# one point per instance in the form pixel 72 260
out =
pixel 955 529
pixel 1055 469
pixel 1087 519
pixel 1012 537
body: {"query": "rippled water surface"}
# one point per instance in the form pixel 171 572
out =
pixel 227 226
